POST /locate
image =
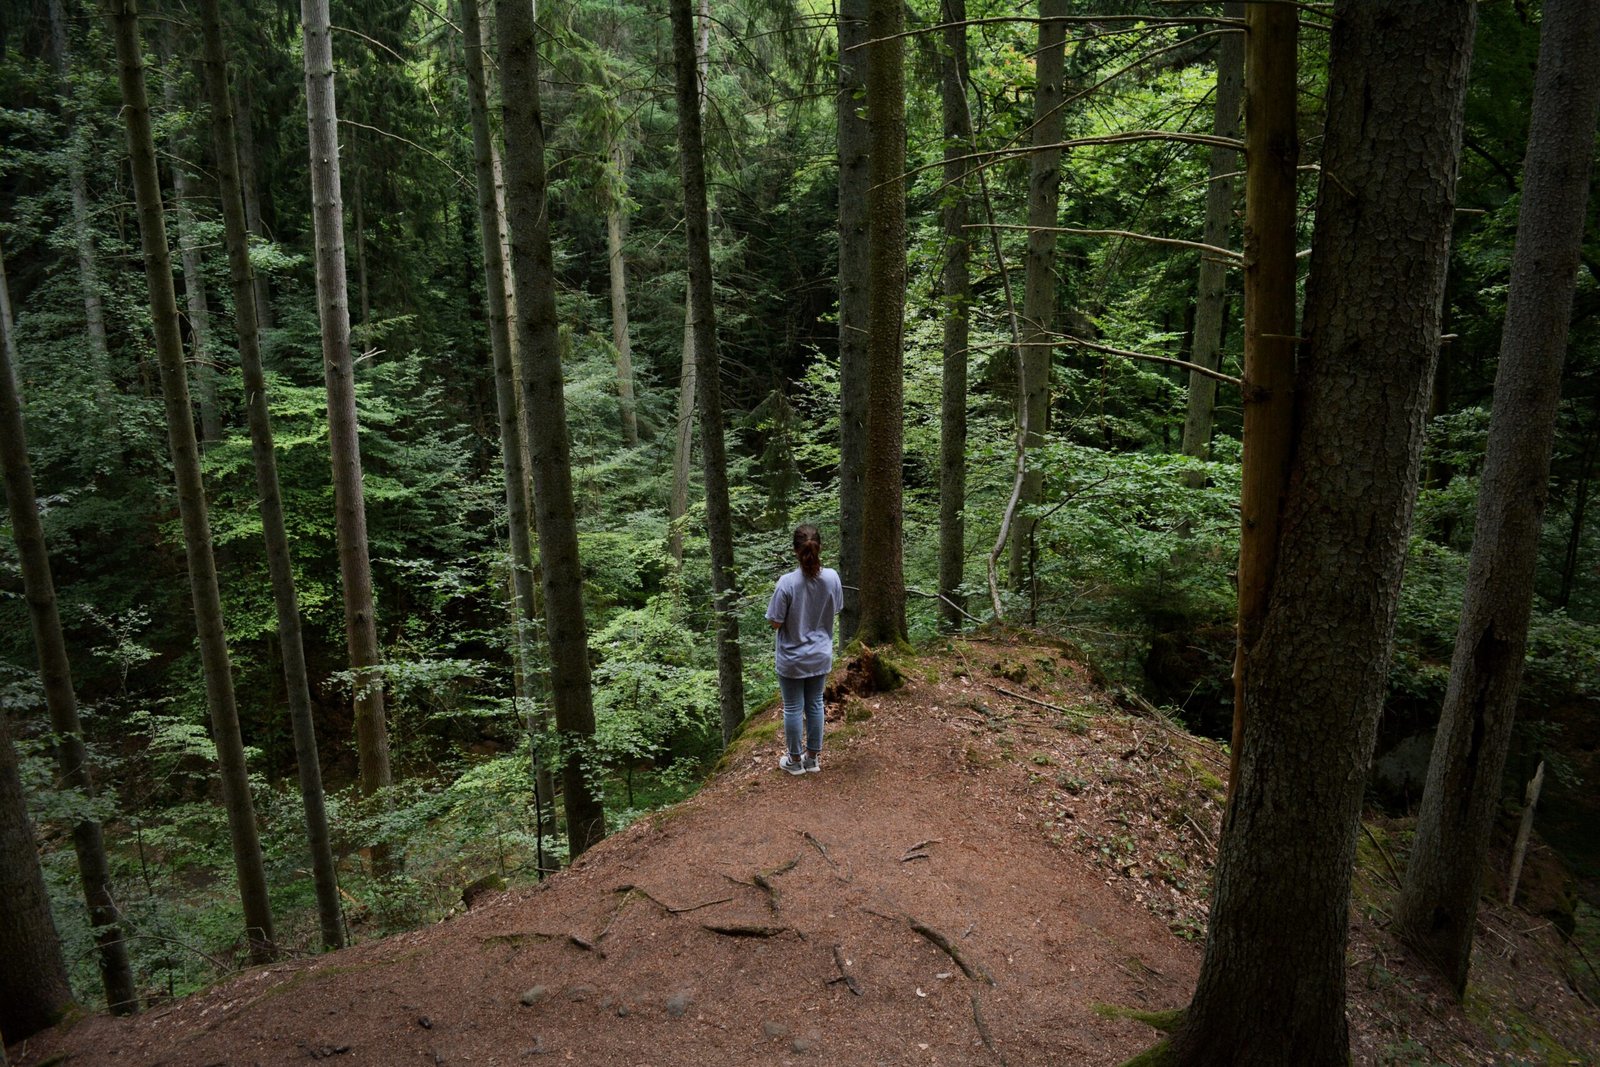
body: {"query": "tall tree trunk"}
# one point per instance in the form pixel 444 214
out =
pixel 615 227
pixel 688 377
pixel 1271 989
pixel 883 584
pixel 202 355
pixel 297 685
pixel 1272 152
pixel 1211 299
pixel 1439 902
pixel 855 146
pixel 545 421
pixel 505 385
pixel 33 978
pixel 55 672
pixel 957 299
pixel 83 234
pixel 1039 279
pixel 333 311
pixel 683 446
pixel 252 200
pixel 708 390
pixel 191 494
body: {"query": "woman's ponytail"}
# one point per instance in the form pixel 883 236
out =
pixel 808 549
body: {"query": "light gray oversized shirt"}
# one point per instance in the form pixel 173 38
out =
pixel 805 607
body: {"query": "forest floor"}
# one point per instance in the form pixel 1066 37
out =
pixel 995 863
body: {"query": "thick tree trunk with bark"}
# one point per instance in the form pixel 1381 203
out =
pixel 1439 903
pixel 883 584
pixel 958 299
pixel 616 226
pixel 33 978
pixel 545 421
pixel 1211 300
pixel 297 684
pixel 191 494
pixel 1272 152
pixel 83 234
pixel 505 385
pixel 55 672
pixel 855 149
pixel 1271 989
pixel 333 312
pixel 708 389
pixel 1039 279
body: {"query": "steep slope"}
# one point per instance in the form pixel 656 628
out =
pixel 989 854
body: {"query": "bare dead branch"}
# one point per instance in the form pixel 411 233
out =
pixel 1227 255
pixel 1168 360
pixel 1135 23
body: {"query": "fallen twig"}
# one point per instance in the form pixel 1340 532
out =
pixel 1041 703
pixel 820 847
pixel 1384 853
pixel 642 891
pixel 1210 845
pixel 586 945
pixel 983 1032
pixel 968 968
pixel 740 929
pixel 844 974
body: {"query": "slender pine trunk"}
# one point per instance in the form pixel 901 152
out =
pixel 94 314
pixel 545 422
pixel 708 390
pixel 1580 502
pixel 505 386
pixel 957 300
pixel 855 149
pixel 333 311
pixel 1272 153
pixel 616 226
pixel 1039 278
pixel 1438 907
pixel 252 201
pixel 191 493
pixel 683 446
pixel 291 644
pixel 1211 298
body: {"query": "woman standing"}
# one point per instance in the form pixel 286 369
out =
pixel 801 612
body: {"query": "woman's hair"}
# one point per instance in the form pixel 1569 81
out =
pixel 808 548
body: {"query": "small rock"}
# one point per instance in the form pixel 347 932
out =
pixel 677 1005
pixel 622 1011
pixel 802 1044
pixel 773 1028
pixel 580 992
pixel 425 1022
pixel 533 996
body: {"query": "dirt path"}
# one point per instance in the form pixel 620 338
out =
pixel 971 874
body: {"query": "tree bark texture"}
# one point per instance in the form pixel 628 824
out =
pixel 505 385
pixel 333 312
pixel 1211 299
pixel 191 494
pixel 55 673
pixel 883 584
pixel 297 684
pixel 1271 989
pixel 1039 278
pixel 1439 902
pixel 545 421
pixel 252 202
pixel 616 225
pixel 1272 152
pixel 957 299
pixel 855 149
pixel 33 978
pixel 708 390
pixel 83 233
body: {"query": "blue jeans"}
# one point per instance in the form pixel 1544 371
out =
pixel 802 702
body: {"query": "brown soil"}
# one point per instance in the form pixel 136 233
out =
pixel 989 854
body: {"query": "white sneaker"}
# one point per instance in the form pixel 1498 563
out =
pixel 791 765
pixel 812 763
